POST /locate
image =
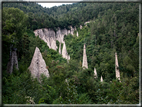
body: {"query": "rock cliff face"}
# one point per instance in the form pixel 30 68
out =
pixel 116 67
pixel 60 34
pixel 49 36
pixel 13 62
pixel 38 66
pixel 85 63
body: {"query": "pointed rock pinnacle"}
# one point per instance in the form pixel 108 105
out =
pixel 38 65
pixel 101 79
pixel 95 73
pixel 116 67
pixel 84 64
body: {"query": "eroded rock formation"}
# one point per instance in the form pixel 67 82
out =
pixel 117 67
pixel 101 79
pixel 12 62
pixel 85 63
pixel 65 53
pixel 87 22
pixel 38 65
pixel 60 49
pixel 49 36
pixel 77 34
pixel 95 73
pixel 80 26
pixel 60 34
pixel 72 30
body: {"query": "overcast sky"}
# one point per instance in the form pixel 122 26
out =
pixel 49 5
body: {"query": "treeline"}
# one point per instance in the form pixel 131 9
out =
pixel 37 16
pixel 65 15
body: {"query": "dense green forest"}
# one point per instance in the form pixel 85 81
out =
pixel 113 28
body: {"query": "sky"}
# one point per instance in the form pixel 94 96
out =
pixel 49 5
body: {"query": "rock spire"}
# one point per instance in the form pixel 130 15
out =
pixel 49 36
pixel 101 78
pixel 84 64
pixel 64 52
pixel 13 62
pixel 77 34
pixel 80 26
pixel 116 67
pixel 38 65
pixel 95 73
pixel 60 48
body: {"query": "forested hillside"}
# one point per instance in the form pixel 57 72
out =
pixel 113 28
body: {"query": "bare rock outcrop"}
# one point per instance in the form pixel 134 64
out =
pixel 95 73
pixel 12 62
pixel 60 34
pixel 85 63
pixel 68 31
pixel 38 65
pixel 77 34
pixel 87 22
pixel 60 49
pixel 72 30
pixel 80 26
pixel 64 52
pixel 49 36
pixel 117 67
pixel 101 79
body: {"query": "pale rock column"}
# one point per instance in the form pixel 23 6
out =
pixel 116 67
pixel 95 73
pixel 84 64
pixel 101 78
pixel 80 26
pixel 13 62
pixel 77 34
pixel 38 65
pixel 64 52
pixel 60 48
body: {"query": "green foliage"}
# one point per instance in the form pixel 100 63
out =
pixel 108 32
pixel 13 30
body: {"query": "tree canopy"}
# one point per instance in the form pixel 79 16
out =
pixel 113 28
